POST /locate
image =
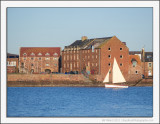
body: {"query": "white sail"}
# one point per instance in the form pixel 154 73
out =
pixel 117 74
pixel 106 79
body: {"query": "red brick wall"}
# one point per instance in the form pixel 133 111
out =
pixel 86 58
pixel 70 61
pixel 44 77
pixel 115 44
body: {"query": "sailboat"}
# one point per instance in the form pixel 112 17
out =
pixel 117 77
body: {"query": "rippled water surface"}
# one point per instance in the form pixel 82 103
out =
pixel 79 102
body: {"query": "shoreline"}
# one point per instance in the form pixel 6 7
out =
pixel 69 84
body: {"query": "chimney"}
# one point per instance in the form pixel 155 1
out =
pixel 83 38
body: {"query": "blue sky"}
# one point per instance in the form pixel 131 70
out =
pixel 59 27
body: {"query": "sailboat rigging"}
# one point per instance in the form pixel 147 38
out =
pixel 117 77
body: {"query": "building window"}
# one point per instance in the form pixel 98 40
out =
pixel 54 58
pixel 55 65
pixel 74 65
pixel 136 72
pixel 96 56
pixel 64 65
pixel 47 64
pixel 96 64
pixel 121 56
pixel 31 64
pixel 32 58
pixel 24 58
pixel 109 64
pixel 22 65
pixel 92 56
pixel 96 51
pixel 121 64
pixel 40 58
pixel 109 49
pixel 149 56
pixel 64 57
pixel 24 54
pixel 134 62
pixel 32 54
pixel 47 58
pixel 109 56
pixel 55 54
pixel 92 48
pixel 74 57
pixel 68 65
pixel 39 54
pixel 47 54
pixel 77 64
pixel 121 48
pixel 149 64
pixel 77 56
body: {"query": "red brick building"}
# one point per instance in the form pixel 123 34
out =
pixel 95 56
pixel 39 59
pixel 146 62
pixel 12 63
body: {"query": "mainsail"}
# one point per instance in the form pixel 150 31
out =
pixel 117 74
pixel 106 79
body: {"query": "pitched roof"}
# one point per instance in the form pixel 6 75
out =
pixel 9 55
pixel 88 43
pixel 135 52
pixel 40 51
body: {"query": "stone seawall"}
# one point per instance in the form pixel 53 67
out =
pixel 44 77
pixel 58 80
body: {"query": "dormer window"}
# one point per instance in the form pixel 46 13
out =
pixel 121 48
pixel 109 49
pixel 32 54
pixel 39 54
pixel 47 54
pixel 24 54
pixel 55 54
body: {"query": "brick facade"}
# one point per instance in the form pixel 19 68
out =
pixel 39 59
pixel 98 59
pixel 114 48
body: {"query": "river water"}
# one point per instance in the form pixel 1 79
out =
pixel 79 102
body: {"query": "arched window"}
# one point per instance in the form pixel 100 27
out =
pixel 134 62
pixel 24 54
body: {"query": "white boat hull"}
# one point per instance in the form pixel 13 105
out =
pixel 115 86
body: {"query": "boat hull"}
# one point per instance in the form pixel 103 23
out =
pixel 115 86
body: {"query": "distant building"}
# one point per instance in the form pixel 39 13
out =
pixel 148 65
pixel 95 56
pixel 39 59
pixel 146 62
pixel 12 63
